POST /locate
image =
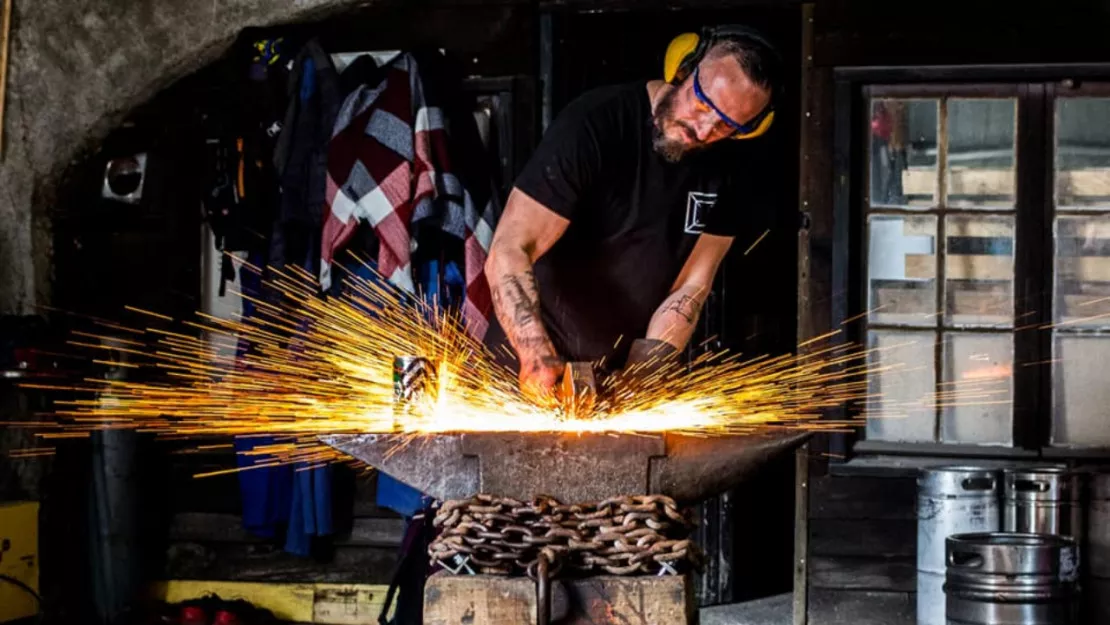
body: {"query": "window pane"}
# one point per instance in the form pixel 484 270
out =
pixel 902 270
pixel 980 165
pixel 901 383
pixel 1083 272
pixel 979 270
pixel 1080 389
pixel 1083 153
pixel 903 153
pixel 976 397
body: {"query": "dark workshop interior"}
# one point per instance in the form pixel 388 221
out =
pixel 939 174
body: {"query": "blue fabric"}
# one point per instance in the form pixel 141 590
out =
pixel 453 276
pixel 267 494
pixel 400 497
pixel 310 513
pixel 294 499
pixel 308 79
pixel 441 283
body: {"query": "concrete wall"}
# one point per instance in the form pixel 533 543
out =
pixel 76 68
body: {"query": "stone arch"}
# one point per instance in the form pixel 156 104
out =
pixel 76 68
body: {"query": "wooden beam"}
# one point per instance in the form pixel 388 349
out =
pixel 802 547
pixel 863 573
pixel 862 498
pixel 331 604
pixel 815 202
pixel 5 35
pixel 863 537
pixel 249 562
pixel 816 238
pixel 228 528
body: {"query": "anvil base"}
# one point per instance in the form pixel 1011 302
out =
pixel 496 600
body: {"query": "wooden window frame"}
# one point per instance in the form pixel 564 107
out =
pixel 1035 88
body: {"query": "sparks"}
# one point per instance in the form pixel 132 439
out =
pixel 320 365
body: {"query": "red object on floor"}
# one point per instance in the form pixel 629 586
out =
pixel 192 615
pixel 223 617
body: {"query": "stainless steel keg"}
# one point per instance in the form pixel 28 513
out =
pixel 1043 500
pixel 950 500
pixel 1008 578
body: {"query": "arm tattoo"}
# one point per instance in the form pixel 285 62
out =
pixel 686 306
pixel 520 295
pixel 516 302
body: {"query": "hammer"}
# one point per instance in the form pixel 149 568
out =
pixel 578 389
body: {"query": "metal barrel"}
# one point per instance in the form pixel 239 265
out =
pixel 1043 500
pixel 1010 578
pixel 950 500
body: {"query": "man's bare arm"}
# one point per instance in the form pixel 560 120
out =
pixel 525 232
pixel 674 319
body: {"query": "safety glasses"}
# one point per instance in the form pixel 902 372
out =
pixel 737 127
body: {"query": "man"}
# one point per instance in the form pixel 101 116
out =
pixel 615 229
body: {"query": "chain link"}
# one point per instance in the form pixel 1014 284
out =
pixel 621 535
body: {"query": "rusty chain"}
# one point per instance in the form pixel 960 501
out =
pixel 621 536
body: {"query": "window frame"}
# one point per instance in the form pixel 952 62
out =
pixel 1053 91
pixel 1034 88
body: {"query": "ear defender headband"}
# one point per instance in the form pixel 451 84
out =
pixel 688 49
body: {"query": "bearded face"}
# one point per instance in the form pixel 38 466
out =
pixel 686 120
pixel 672 138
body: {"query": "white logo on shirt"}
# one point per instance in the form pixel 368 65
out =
pixel 697 205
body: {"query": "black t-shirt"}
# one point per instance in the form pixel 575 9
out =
pixel 634 217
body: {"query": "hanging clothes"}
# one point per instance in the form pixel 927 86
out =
pixel 389 164
pixel 301 158
pixel 293 503
pixel 470 210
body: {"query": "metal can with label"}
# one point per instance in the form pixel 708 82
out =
pixel 950 500
pixel 413 378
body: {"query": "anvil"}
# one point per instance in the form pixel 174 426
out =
pixel 571 467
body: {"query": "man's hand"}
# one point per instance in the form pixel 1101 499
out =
pixel 525 232
pixel 651 354
pixel 516 302
pixel 648 358
pixel 538 380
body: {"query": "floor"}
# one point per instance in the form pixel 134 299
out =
pixel 776 610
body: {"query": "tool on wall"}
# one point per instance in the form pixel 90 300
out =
pixel 5 31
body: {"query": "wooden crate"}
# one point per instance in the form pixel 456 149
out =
pixel 495 600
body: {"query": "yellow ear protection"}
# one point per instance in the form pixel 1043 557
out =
pixel 687 50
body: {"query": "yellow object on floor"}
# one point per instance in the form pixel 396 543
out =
pixel 331 604
pixel 19 558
